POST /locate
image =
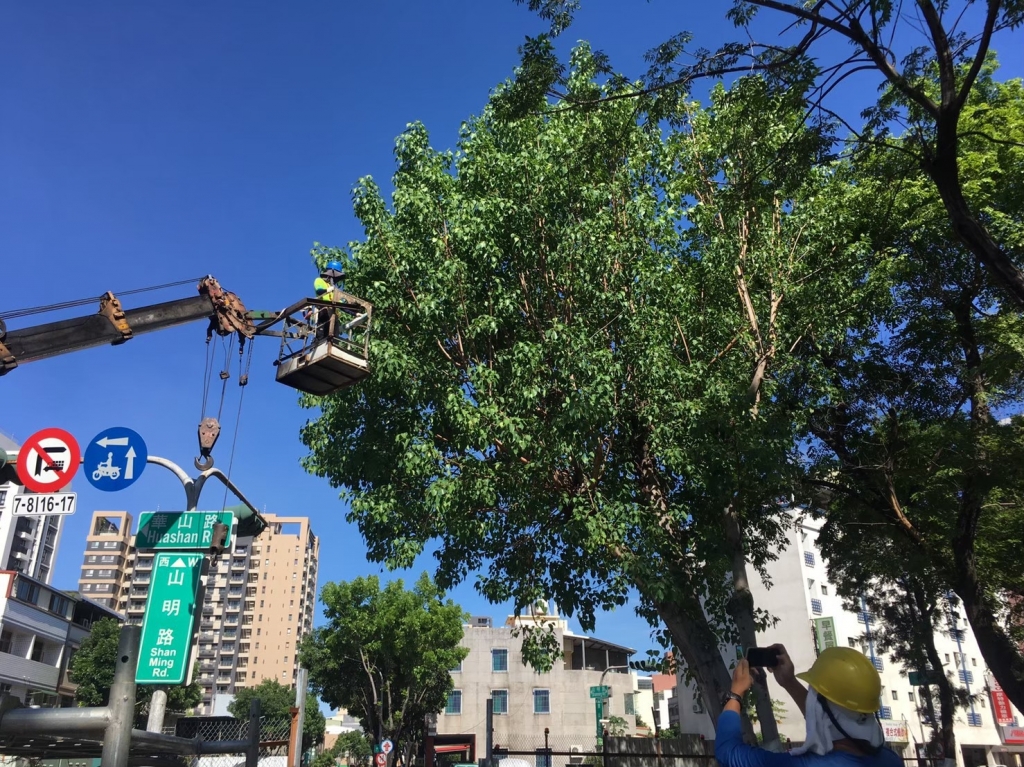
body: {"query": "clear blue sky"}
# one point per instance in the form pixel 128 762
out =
pixel 142 143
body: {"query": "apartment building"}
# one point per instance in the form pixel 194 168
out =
pixel 27 544
pixel 532 709
pixel 40 630
pixel 257 603
pixel 811 616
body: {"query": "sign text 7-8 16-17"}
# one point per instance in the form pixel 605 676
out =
pixel 180 529
pixel 34 505
pixel 170 613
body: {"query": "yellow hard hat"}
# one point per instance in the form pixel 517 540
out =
pixel 847 678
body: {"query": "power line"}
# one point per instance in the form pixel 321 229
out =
pixel 14 313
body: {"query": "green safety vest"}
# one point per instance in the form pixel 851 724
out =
pixel 322 287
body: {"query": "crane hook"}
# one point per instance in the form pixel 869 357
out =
pixel 209 431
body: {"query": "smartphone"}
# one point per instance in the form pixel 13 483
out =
pixel 762 657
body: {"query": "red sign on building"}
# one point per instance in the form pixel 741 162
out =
pixel 1001 705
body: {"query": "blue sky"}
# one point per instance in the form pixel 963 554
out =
pixel 143 143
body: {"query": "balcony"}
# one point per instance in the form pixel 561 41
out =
pixel 207 652
pixel 207 609
pixel 237 564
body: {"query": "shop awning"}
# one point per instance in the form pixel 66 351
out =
pixel 451 748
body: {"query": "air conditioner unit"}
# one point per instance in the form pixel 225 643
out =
pixel 575 754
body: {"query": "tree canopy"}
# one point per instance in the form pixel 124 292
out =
pixel 617 332
pixel 276 701
pixel 928 55
pixel 580 327
pixel 92 669
pixel 385 655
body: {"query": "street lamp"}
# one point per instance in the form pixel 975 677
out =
pixel 599 703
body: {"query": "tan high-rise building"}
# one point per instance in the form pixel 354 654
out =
pixel 257 604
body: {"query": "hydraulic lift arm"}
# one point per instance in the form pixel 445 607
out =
pixel 114 325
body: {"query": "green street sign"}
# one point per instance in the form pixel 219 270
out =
pixel 825 630
pixel 170 613
pixel 180 529
pixel 922 678
pixel 600 691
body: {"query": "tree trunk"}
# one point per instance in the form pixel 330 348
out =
pixel 947 704
pixel 944 170
pixel 741 609
pixel 692 635
pixel 1000 653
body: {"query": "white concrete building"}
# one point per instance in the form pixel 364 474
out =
pixel 811 616
pixel 40 629
pixel 27 544
pixel 532 709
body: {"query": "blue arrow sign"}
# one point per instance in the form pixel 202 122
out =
pixel 114 459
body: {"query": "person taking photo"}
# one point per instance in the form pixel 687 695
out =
pixel 839 710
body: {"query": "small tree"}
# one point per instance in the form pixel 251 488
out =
pixel 276 700
pixel 385 655
pixel 92 669
pixel 352 747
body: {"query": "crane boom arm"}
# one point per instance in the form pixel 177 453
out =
pixel 114 325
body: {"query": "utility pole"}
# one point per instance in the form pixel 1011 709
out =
pixel 193 489
pixel 301 684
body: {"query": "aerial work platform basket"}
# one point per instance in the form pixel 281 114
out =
pixel 325 344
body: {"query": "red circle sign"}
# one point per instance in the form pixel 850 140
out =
pixel 48 460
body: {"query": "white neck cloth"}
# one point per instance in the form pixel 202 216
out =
pixel 821 732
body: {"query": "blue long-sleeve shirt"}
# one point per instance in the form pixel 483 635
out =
pixel 731 751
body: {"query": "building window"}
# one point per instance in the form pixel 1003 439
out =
pixel 895 695
pixel 543 759
pixel 816 606
pixel 629 705
pixel 824 590
pixel 454 704
pixel 885 712
pixel 910 696
pixel 974 661
pixel 541 701
pixel 967 677
pixel 27 591
pixel 947 657
pixel 6 641
pixel 809 558
pixel 499 660
pixel 974 719
pixel 852 642
pixel 499 701
pixel 457 669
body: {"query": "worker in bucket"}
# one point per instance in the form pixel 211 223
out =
pixel 839 709
pixel 324 286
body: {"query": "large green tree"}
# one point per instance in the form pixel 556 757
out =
pixel 385 655
pixel 580 326
pixel 928 53
pixel 276 701
pixel 913 430
pixel 92 669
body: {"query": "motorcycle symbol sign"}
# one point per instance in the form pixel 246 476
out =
pixel 115 458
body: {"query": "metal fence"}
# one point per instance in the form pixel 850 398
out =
pixel 274 733
pixel 540 749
